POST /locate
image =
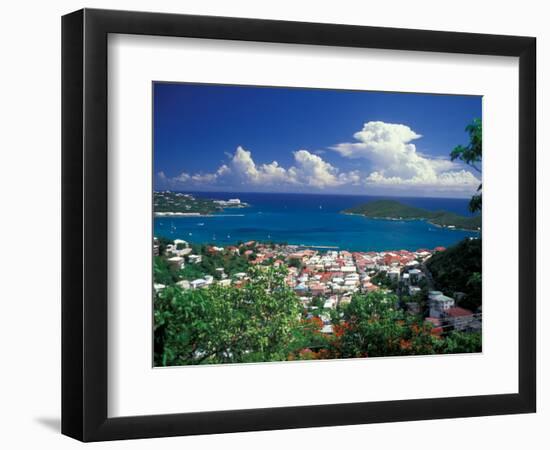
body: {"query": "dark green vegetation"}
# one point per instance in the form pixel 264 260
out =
pixel 392 209
pixel 220 325
pixel 176 202
pixel 458 269
pixel 471 155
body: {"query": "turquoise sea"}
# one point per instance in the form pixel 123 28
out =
pixel 313 220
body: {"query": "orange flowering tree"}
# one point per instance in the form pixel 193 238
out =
pixel 373 326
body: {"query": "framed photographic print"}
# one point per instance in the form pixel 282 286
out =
pixel 273 224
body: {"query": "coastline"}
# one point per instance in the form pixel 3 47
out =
pixel 410 219
pixel 301 220
pixel 193 214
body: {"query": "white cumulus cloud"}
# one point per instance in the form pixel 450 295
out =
pixel 308 170
pixel 386 151
pixel 244 167
pixel 395 161
pixel 312 170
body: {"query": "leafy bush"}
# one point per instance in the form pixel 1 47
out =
pixel 221 325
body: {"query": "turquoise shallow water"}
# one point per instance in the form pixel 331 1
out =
pixel 313 220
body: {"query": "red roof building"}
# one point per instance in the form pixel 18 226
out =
pixel 457 311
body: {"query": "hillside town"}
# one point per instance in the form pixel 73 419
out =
pixel 325 279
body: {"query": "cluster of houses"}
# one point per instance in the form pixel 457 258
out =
pixel 329 278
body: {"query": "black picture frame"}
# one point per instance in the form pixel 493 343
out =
pixel 84 224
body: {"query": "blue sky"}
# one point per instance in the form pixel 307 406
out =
pixel 263 139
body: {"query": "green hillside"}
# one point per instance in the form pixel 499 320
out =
pixel 459 269
pixel 392 209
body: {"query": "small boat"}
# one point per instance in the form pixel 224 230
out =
pixel 201 224
pixel 190 234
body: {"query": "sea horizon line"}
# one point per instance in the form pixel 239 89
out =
pixel 308 193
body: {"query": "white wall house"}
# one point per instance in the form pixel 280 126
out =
pixel 198 283
pixel 177 262
pixel 439 304
pixel 394 274
pixel 415 275
pixel 195 259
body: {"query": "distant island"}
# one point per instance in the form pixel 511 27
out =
pixel 394 210
pixel 167 203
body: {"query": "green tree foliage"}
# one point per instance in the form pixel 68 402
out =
pixel 193 271
pixel 471 155
pixel 230 262
pixel 162 272
pixel 457 342
pixel 382 279
pixel 458 269
pixel 374 327
pixel 220 325
pixel 163 243
pixel 383 209
pixel 295 262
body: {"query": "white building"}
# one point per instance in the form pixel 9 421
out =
pixel 195 259
pixel 394 274
pixel 330 303
pixel 177 262
pixel 198 283
pixel 181 242
pixel 439 304
pixel 182 252
pixel 415 275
